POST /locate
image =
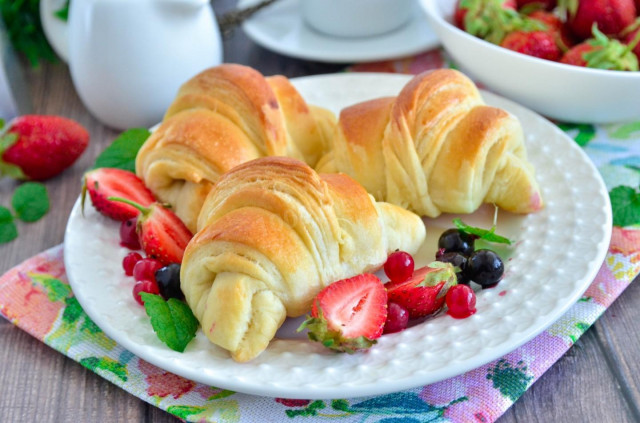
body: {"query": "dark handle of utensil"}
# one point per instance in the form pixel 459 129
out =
pixel 230 20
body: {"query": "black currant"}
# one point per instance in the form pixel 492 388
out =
pixel 457 241
pixel 485 267
pixel 168 279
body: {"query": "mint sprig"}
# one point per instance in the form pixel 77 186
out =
pixel 625 205
pixel 121 153
pixel 172 320
pixel 486 234
pixel 8 229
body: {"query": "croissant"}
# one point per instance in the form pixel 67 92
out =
pixel 271 234
pixel 435 148
pixel 220 118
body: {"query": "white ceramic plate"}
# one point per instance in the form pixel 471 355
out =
pixel 280 28
pixel 557 254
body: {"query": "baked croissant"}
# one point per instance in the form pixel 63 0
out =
pixel 220 118
pixel 273 233
pixel 435 148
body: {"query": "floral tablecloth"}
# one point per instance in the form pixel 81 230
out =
pixel 35 296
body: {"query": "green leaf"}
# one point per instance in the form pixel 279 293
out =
pixel 625 204
pixel 486 234
pixel 107 364
pixel 63 12
pixel 586 132
pixel 172 320
pixel 184 411
pixel 72 311
pixel 625 131
pixel 222 394
pixel 56 289
pixel 30 201
pixel 8 229
pixel 340 404
pixel 122 152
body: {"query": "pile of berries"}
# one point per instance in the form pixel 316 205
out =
pixel 603 34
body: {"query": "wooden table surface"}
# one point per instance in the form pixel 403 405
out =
pixel 598 380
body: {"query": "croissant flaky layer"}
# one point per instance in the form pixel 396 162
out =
pixel 435 148
pixel 220 118
pixel 271 234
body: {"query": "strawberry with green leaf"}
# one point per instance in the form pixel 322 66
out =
pixel 40 147
pixel 611 16
pixel 602 52
pixel 163 236
pixel 424 293
pixel 349 314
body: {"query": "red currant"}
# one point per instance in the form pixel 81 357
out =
pixel 399 266
pixel 129 261
pixel 397 318
pixel 461 301
pixel 128 234
pixel 145 269
pixel 144 286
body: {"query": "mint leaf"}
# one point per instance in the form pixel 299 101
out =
pixel 63 12
pixel 625 204
pixel 122 152
pixel 30 201
pixel 8 229
pixel 172 320
pixel 486 234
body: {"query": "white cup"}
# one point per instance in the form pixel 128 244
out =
pixel 356 18
pixel 129 57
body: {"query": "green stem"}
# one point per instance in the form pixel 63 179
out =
pixel 143 209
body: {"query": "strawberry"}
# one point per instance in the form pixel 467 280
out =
pixel 540 4
pixel 105 182
pixel 611 16
pixel 424 293
pixel 348 315
pixel 40 147
pixel 630 34
pixel 163 236
pixel 602 52
pixel 555 27
pixel 491 20
pixel 539 44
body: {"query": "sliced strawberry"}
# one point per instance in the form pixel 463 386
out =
pixel 110 182
pixel 425 292
pixel 163 236
pixel 348 315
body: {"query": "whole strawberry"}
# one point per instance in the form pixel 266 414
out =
pixel 555 27
pixel 601 52
pixel 492 20
pixel 542 4
pixel 611 16
pixel 424 293
pixel 40 147
pixel 163 236
pixel 539 44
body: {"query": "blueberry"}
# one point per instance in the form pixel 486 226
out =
pixel 454 240
pixel 456 259
pixel 168 279
pixel 485 267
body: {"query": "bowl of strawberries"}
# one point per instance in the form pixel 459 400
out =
pixel 570 60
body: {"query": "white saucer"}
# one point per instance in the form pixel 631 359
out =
pixel 280 28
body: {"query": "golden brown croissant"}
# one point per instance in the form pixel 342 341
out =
pixel 272 234
pixel 220 118
pixel 435 148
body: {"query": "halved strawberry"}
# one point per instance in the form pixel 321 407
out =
pixel 105 182
pixel 163 236
pixel 349 314
pixel 424 293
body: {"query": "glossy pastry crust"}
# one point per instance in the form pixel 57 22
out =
pixel 220 118
pixel 272 233
pixel 436 148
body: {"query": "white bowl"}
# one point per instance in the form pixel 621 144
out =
pixel 564 92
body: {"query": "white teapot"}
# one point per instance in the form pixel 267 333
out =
pixel 129 57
